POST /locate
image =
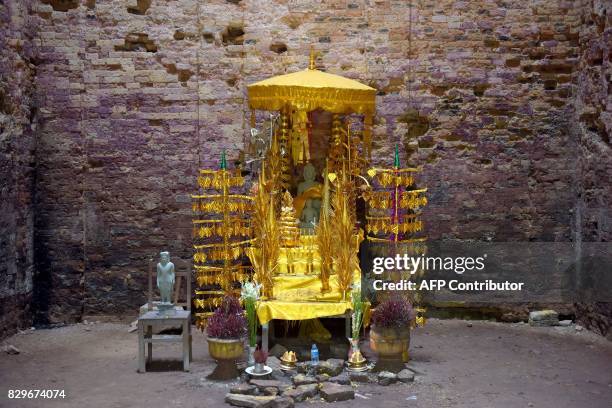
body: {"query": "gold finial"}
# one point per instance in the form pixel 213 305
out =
pixel 313 57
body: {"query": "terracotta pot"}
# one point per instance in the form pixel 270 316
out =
pixel 225 349
pixel 389 341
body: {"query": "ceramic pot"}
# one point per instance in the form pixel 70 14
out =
pixel 225 349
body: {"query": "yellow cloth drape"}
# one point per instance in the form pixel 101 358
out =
pixel 300 201
pixel 299 297
pixel 283 310
pixel 313 329
pixel 308 288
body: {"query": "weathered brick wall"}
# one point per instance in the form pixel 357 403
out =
pixel 592 126
pixel 137 95
pixel 17 116
pixel 593 121
pixel 490 91
pixel 61 161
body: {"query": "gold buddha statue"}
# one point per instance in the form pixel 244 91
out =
pixel 288 223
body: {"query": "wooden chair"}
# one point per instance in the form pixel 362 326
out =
pixel 181 316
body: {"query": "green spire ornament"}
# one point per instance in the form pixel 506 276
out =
pixel 223 161
pixel 396 161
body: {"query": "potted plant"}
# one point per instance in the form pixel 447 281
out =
pixel 226 330
pixel 260 357
pixel 390 332
pixel 250 295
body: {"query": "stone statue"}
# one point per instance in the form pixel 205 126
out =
pixel 309 179
pixel 308 190
pixel 165 277
pixel 309 216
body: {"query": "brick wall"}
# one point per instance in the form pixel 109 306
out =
pixel 593 121
pixel 135 96
pixel 17 142
pixel 592 126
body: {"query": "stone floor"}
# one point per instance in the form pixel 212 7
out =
pixel 458 364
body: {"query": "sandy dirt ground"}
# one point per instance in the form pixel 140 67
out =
pixel 458 364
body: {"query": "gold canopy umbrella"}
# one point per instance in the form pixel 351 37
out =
pixel 312 89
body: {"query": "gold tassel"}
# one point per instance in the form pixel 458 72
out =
pixel 264 256
pixel 346 247
pixel 325 238
pixel 367 135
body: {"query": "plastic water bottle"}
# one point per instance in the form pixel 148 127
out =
pixel 314 355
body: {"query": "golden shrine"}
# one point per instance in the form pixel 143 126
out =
pixel 298 231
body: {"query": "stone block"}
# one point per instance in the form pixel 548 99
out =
pixel 302 392
pixel 272 391
pixel 302 379
pixel 343 379
pixel 282 402
pixel 360 377
pixel 332 392
pixel 262 384
pixel 405 376
pixel 244 389
pixel 386 378
pixel 543 318
pixel 331 367
pixel 322 377
pixel 249 401
pixel 277 350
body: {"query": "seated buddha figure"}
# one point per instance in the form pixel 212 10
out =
pixel 308 190
pixel 309 217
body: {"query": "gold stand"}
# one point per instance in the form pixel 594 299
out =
pixel 221 231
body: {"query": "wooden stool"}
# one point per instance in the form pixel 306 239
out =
pixel 146 336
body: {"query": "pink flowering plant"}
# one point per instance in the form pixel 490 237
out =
pixel 393 313
pixel 228 321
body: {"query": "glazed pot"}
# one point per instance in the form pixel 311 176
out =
pixel 225 349
pixel 389 341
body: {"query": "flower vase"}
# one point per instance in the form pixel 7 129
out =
pixel 354 345
pixel 259 368
pixel 251 360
